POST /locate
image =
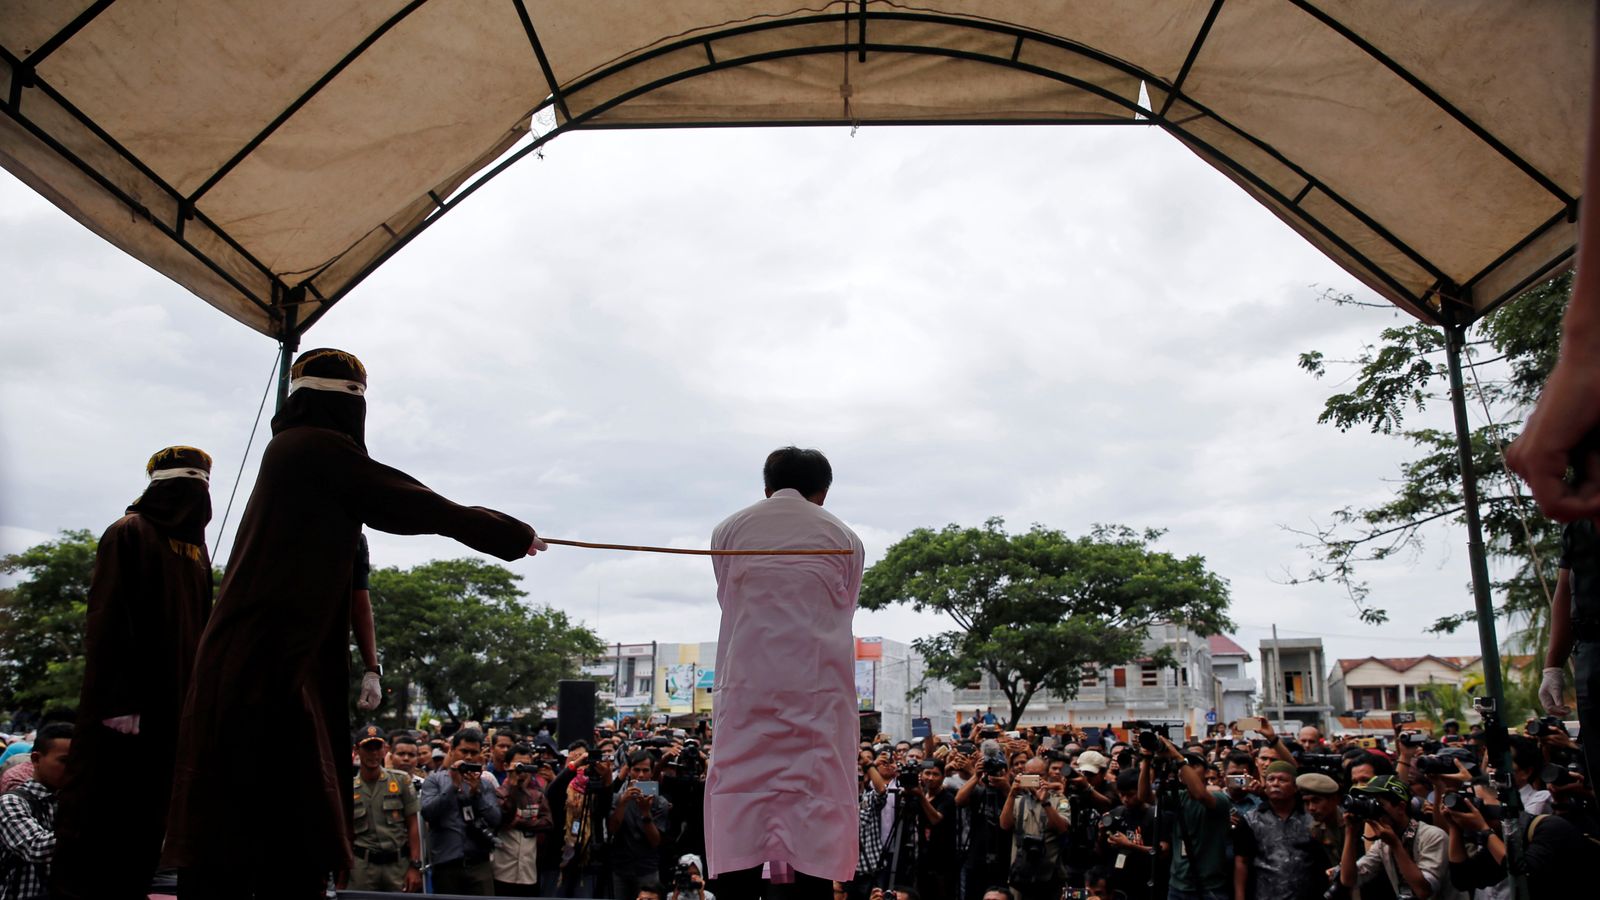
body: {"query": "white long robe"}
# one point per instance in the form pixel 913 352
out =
pixel 782 782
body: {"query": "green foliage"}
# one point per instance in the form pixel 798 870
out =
pixel 1401 376
pixel 42 621
pixel 461 632
pixel 1438 701
pixel 1034 609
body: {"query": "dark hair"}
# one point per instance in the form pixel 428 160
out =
pixel 807 471
pixel 521 749
pixel 1380 764
pixel 470 735
pixel 642 756
pixel 1098 873
pixel 1241 758
pixel 651 885
pixel 402 737
pixel 1525 753
pixel 1128 781
pixel 49 734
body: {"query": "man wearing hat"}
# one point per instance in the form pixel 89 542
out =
pixel 148 602
pixel 386 845
pixel 1275 856
pixel 1411 854
pixel 1321 795
pixel 277 647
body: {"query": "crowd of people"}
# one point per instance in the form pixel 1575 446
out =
pixel 979 814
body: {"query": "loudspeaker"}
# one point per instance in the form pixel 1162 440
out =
pixel 575 712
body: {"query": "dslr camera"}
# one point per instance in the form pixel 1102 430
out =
pixel 1546 726
pixel 994 765
pixel 1362 807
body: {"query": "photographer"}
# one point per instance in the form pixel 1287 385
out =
pixel 462 809
pixel 1128 841
pixel 936 871
pixel 638 819
pixel 1411 855
pixel 989 852
pixel 580 801
pixel 688 882
pixel 524 817
pixel 1033 819
pixel 1200 867
pixel 872 785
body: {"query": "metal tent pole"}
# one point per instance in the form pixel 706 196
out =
pixel 1494 724
pixel 288 343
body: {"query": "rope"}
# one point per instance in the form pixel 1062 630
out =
pixel 271 380
pixel 686 552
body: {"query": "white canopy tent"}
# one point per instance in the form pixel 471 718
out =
pixel 270 156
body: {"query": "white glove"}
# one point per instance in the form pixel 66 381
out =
pixel 1552 690
pixel 123 724
pixel 537 546
pixel 371 693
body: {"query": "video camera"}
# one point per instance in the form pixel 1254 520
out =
pixel 994 765
pixel 690 761
pixel 1546 726
pixel 908 776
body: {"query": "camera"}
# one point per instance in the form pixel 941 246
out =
pixel 1434 764
pixel 683 880
pixel 1461 801
pixel 994 765
pixel 1330 764
pixel 966 748
pixel 525 768
pixel 1413 739
pixel 908 776
pixel 1362 807
pixel 466 767
pixel 1149 742
pixel 1546 726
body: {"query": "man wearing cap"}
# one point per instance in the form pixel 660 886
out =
pixel 276 649
pixel 1321 795
pixel 1412 855
pixel 386 845
pixel 148 602
pixel 1274 853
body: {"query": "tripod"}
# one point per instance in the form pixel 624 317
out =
pixel 904 811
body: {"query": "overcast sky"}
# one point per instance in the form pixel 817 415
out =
pixel 1061 326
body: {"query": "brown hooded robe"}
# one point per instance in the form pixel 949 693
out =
pixel 275 657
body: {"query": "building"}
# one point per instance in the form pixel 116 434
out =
pixel 1235 689
pixel 892 681
pixel 1387 685
pixel 676 679
pixel 1294 686
pixel 1112 695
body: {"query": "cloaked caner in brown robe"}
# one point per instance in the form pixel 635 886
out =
pixel 275 655
pixel 148 601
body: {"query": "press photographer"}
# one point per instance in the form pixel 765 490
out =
pixel 1128 841
pixel 1409 854
pixel 1033 817
pixel 461 806
pixel 1200 866
pixel 524 818
pixel 638 819
pixel 989 846
pixel 688 881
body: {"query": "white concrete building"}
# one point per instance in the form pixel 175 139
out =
pixel 1114 694
pixel 1235 689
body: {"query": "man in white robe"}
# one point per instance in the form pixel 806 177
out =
pixel 781 789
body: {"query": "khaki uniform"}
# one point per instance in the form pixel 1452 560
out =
pixel 381 813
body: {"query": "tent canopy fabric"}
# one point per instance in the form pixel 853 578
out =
pixel 269 156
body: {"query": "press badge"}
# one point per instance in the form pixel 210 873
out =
pixel 1122 860
pixel 576 825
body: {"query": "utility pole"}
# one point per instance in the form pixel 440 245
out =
pixel 1277 675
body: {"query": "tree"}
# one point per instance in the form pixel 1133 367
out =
pixel 1401 376
pixel 1033 610
pixel 460 631
pixel 42 621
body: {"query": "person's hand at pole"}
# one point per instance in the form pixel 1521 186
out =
pixel 537 545
pixel 1553 690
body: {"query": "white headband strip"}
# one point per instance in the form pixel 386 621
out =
pixel 164 474
pixel 337 385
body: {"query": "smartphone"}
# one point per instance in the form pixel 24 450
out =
pixel 1014 735
pixel 1238 781
pixel 648 788
pixel 1251 723
pixel 1029 782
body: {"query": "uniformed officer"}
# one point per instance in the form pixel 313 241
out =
pixel 384 815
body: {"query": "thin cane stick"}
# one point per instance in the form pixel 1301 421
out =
pixel 685 552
